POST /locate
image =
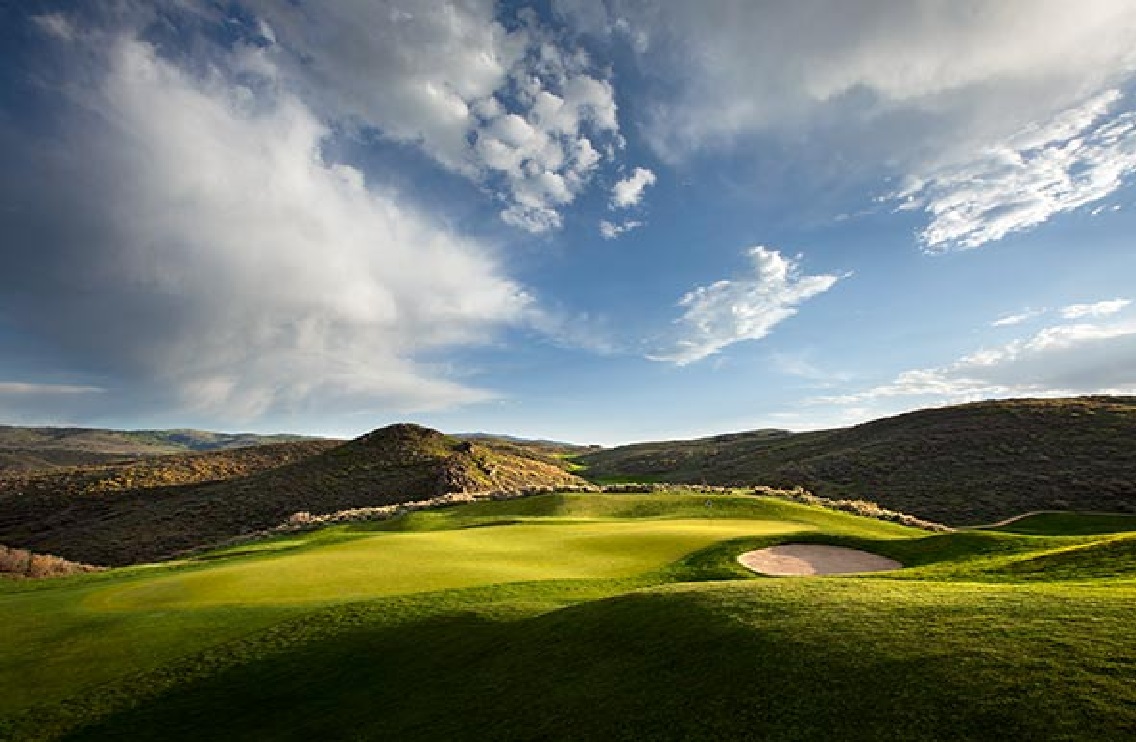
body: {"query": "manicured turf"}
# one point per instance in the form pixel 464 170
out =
pixel 584 617
pixel 373 565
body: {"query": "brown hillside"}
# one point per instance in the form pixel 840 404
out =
pixel 157 471
pixel 395 464
pixel 966 464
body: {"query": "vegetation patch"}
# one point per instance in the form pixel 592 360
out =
pixel 583 616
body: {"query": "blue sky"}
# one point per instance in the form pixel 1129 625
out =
pixel 589 221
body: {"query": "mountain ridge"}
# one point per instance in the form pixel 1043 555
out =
pixel 962 464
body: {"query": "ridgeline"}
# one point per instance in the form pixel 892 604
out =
pixel 967 464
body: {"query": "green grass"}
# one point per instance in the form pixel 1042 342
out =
pixel 584 617
pixel 374 565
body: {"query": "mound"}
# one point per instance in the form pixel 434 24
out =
pixel 814 559
pixel 399 463
pixel 968 464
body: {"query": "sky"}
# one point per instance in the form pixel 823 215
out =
pixel 583 220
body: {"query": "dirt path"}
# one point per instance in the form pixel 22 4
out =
pixel 814 559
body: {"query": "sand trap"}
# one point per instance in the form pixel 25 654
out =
pixel 814 559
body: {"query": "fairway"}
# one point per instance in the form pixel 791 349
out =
pixel 398 563
pixel 610 607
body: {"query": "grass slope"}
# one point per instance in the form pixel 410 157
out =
pixel 967 464
pixel 584 617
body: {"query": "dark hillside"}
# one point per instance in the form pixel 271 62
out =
pixel 395 464
pixel 157 471
pixel 966 464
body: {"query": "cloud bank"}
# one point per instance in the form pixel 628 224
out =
pixel 184 237
pixel 846 95
pixel 1060 360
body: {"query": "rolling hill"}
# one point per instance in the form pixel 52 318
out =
pixel 107 521
pixel 966 464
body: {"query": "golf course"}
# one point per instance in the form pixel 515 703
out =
pixel 588 616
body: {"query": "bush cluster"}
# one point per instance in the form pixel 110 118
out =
pixel 23 563
pixel 866 508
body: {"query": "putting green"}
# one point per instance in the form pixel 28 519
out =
pixel 399 563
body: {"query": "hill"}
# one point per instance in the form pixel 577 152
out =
pixel 966 464
pixel 36 448
pixel 99 522
pixel 586 616
pixel 67 483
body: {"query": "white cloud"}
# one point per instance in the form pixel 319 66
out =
pixel 55 24
pixel 610 230
pixel 517 110
pixel 1017 319
pixel 629 191
pixel 742 66
pixel 26 388
pixel 1060 360
pixel 227 263
pixel 1079 157
pixel 1099 309
pixel 745 308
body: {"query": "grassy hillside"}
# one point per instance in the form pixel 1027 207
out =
pixel 102 523
pixel 584 617
pixel 551 452
pixel 26 449
pixel 967 464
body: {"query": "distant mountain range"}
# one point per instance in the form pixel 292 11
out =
pixel 45 447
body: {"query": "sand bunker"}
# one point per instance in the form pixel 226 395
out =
pixel 814 559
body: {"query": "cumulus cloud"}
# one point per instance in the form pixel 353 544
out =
pixel 629 191
pixel 1079 157
pixel 518 110
pixel 743 308
pixel 1098 309
pixel 1061 360
pixel 185 236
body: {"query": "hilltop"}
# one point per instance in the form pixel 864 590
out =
pixel 37 448
pixel 398 463
pixel 965 464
